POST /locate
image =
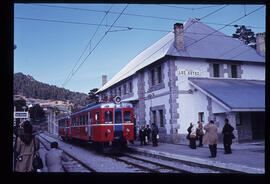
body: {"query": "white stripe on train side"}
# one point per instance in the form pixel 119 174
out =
pixel 104 124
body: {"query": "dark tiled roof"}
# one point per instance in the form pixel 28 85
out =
pixel 215 45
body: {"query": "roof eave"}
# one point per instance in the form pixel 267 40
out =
pixel 211 96
pixel 248 109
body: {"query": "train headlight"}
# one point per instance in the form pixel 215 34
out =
pixel 128 130
pixel 108 130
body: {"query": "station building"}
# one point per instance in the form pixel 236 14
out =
pixel 195 73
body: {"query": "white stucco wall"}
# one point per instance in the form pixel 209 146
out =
pixel 190 104
pixel 163 100
pixel 198 65
pixel 217 108
pixel 253 71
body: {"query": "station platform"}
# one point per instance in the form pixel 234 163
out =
pixel 245 157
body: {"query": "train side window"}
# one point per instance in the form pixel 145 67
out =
pixel 127 116
pixel 86 119
pixel 81 120
pixel 108 117
pixel 90 120
pixel 97 117
pixel 77 121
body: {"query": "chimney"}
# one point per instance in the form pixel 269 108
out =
pixel 104 79
pixel 178 36
pixel 260 43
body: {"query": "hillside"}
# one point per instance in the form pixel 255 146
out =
pixel 27 86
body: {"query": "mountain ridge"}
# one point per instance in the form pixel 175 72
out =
pixel 27 86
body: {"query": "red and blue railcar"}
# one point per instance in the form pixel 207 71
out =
pixel 106 124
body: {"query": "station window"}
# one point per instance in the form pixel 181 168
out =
pixel 108 116
pixel 201 116
pixel 234 71
pixel 119 91
pixel 216 70
pixel 159 74
pixel 161 118
pixel 153 77
pixel 127 116
pixel 125 89
pixel 238 119
pixel 130 87
pixel 154 116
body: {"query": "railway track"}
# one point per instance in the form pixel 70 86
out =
pixel 73 165
pixel 147 165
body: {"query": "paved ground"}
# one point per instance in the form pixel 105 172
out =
pixel 246 157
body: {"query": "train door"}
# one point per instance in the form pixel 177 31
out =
pixel 128 127
pixel 118 129
pixel 66 127
pixel 69 129
pixel 118 120
pixel 89 124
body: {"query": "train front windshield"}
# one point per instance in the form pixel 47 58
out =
pixel 118 116
pixel 127 116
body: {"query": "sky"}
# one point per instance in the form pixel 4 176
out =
pixel 56 40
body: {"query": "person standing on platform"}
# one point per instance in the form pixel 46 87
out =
pixel 148 132
pixel 189 131
pixel 142 135
pixel 211 138
pixel 199 133
pixel 192 136
pixel 54 157
pixel 227 132
pixel 135 129
pixel 25 149
pixel 154 134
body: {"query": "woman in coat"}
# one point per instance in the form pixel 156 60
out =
pixel 199 133
pixel 192 136
pixel 25 149
pixel 211 138
pixel 227 132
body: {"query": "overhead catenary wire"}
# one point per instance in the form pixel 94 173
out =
pixel 225 26
pixel 97 44
pixel 196 41
pixel 103 25
pixel 167 43
pixel 132 14
pixel 89 42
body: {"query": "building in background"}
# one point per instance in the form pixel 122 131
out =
pixel 195 73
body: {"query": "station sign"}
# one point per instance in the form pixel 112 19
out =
pixel 21 114
pixel 189 72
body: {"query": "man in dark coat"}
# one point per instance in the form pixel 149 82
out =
pixel 154 134
pixel 227 132
pixel 148 132
pixel 142 135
